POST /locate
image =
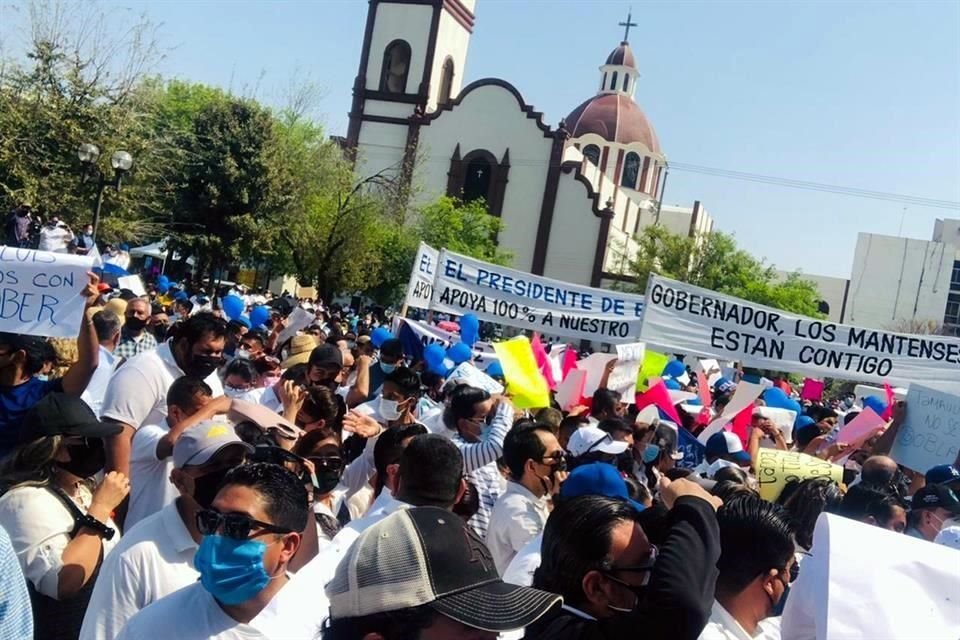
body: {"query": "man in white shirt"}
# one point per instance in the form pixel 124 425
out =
pixel 430 474
pixel 55 236
pixel 155 558
pixel 137 393
pixel 258 513
pixel 537 467
pixel 107 325
pixel 188 403
pixel 756 565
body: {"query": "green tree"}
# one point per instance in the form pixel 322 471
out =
pixel 713 261
pixel 462 227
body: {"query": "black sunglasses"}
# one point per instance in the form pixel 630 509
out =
pixel 333 463
pixel 234 525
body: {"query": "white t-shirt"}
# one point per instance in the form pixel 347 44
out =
pixel 517 516
pixel 97 387
pixel 723 626
pixel 520 571
pixel 39 525
pixel 54 239
pixel 150 486
pixel 271 401
pixel 154 559
pixel 188 614
pixel 300 608
pixel 137 393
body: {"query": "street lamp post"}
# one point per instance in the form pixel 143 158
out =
pixel 120 161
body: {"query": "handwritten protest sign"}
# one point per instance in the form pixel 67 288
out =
pixel 652 367
pixel 689 319
pixel 420 286
pixel 40 292
pixel 775 468
pixel 931 435
pixel 518 299
pixel 623 378
pixel 525 384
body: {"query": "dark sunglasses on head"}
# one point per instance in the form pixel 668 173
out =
pixel 234 525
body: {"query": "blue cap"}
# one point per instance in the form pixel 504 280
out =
pixel 727 445
pixel 942 474
pixel 597 479
pixel 182 296
pixel 722 385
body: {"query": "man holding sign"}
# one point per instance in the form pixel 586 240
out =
pixel 22 357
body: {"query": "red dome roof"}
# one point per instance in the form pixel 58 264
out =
pixel 615 118
pixel 622 55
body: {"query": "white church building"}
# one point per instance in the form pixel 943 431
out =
pixel 571 196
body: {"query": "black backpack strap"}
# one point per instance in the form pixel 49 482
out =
pixel 78 515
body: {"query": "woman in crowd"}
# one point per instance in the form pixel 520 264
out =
pixel 321 446
pixel 242 380
pixel 59 521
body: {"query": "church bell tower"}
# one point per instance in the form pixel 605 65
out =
pixel 411 63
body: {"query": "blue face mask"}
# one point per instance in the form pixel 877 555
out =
pixel 231 570
pixel 387 368
pixel 650 453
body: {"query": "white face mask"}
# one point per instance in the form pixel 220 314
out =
pixel 949 522
pixel 243 354
pixel 389 409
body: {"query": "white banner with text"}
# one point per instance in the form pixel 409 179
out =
pixel 689 319
pixel 518 299
pixel 420 287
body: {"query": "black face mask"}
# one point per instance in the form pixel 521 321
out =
pixel 86 460
pixel 135 325
pixel 327 480
pixel 203 366
pixel 206 486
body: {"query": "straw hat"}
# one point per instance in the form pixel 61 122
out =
pixel 119 307
pixel 299 351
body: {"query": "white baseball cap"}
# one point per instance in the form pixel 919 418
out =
pixel 589 438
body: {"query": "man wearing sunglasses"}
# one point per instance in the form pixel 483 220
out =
pixel 250 534
pixel 155 558
pixel 757 566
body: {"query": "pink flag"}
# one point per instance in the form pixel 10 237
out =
pixel 890 400
pixel 569 361
pixel 703 389
pixel 543 361
pixel 741 424
pixel 659 396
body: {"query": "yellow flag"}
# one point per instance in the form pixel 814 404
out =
pixel 775 468
pixel 526 386
pixel 653 364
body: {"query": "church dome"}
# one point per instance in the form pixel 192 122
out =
pixel 622 56
pixel 614 117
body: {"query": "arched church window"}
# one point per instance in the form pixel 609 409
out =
pixel 446 81
pixel 592 153
pixel 396 65
pixel 631 169
pixel 603 83
pixel 823 307
pixel 613 81
pixel 476 181
pixel 626 81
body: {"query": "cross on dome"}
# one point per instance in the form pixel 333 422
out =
pixel 627 25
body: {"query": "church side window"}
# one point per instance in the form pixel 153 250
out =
pixel 396 65
pixel 446 81
pixel 631 169
pixel 592 153
pixel 626 82
pixel 476 182
pixel 613 81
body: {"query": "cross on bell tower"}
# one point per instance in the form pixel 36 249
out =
pixel 627 25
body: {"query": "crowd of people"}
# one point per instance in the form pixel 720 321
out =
pixel 181 474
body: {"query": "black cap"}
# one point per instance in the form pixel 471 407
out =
pixel 392 348
pixel 327 355
pixel 935 496
pixel 59 414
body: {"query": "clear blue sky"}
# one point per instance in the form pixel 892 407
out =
pixel 859 94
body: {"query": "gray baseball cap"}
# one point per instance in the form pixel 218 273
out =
pixel 202 441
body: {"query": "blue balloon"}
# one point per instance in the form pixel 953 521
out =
pixel 876 404
pixel 244 320
pixel 460 352
pixel 469 329
pixel 163 280
pixel 674 369
pixel 233 306
pixel 775 397
pixel 162 288
pixel 182 296
pixel 494 369
pixel 672 384
pixel 434 355
pixel 259 315
pixel 379 336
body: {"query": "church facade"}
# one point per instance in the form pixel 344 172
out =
pixel 571 196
